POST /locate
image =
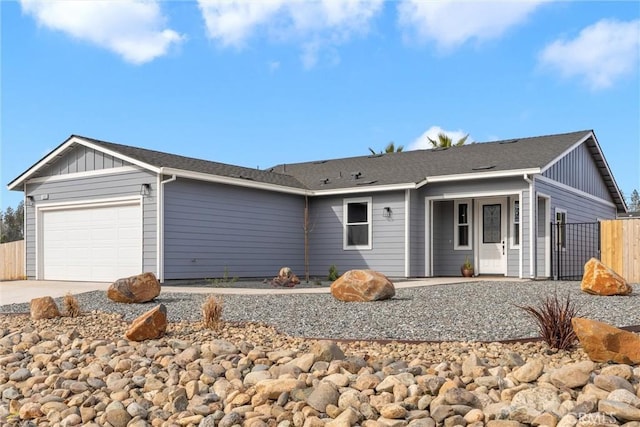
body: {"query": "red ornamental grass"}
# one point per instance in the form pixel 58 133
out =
pixel 553 318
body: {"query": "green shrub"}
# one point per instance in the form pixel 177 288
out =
pixel 333 273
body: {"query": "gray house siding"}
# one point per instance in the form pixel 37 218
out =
pixel 446 260
pixel 93 188
pixel 82 159
pixel 513 253
pixel 525 224
pixel 541 242
pixel 578 207
pixel 417 235
pixel 213 229
pixel 388 246
pixel 578 170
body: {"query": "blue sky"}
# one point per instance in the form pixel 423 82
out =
pixel 259 83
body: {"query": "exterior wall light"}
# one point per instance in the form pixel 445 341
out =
pixel 386 212
pixel 145 190
pixel 30 200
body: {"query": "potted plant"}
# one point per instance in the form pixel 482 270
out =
pixel 467 268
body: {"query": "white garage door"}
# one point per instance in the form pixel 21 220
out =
pixel 92 244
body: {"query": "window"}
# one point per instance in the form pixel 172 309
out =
pixel 516 223
pixel 561 230
pixel 462 226
pixel 357 220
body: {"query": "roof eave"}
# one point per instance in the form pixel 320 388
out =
pixel 616 190
pixel 239 182
pixel 73 139
pixel 478 175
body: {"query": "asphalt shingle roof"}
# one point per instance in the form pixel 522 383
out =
pixel 409 167
pixel 161 159
pixel 415 166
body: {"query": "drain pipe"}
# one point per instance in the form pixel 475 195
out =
pixel 160 225
pixel 532 229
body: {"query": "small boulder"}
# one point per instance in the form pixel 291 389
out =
pixel 43 308
pixel 151 325
pixel 327 351
pixel 285 278
pixel 598 279
pixel 605 343
pixel 135 289
pixel 362 286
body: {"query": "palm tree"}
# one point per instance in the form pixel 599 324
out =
pixel 390 148
pixel 445 140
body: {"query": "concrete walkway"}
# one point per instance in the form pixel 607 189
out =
pixel 23 291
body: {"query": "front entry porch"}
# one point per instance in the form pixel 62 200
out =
pixel 485 230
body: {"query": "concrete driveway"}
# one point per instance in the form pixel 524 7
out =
pixel 23 291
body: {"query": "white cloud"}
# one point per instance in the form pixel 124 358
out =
pixel 134 29
pixel 600 54
pixel 422 142
pixel 451 23
pixel 314 25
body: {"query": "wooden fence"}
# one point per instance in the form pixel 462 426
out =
pixel 620 246
pixel 12 260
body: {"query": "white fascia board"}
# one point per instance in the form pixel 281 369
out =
pixel 118 155
pixel 86 174
pixel 363 189
pixel 73 140
pixel 576 191
pixel 281 188
pixel 479 175
pixel 238 182
pixel 568 150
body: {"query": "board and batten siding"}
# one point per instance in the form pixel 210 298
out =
pixel 212 230
pixel 85 189
pixel 81 159
pixel 388 236
pixel 578 170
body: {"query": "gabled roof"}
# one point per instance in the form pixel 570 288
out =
pixel 478 160
pixel 511 157
pixel 161 162
pixel 409 169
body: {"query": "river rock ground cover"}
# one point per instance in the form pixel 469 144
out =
pixel 80 371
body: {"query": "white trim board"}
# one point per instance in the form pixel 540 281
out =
pixel 86 174
pixel 573 190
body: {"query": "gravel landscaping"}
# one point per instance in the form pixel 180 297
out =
pixel 477 311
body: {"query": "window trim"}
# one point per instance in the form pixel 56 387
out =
pixel 345 224
pixel 563 241
pixel 456 225
pixel 515 245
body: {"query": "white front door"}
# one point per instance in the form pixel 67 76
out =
pixel 492 226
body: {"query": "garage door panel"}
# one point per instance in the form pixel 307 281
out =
pixel 92 244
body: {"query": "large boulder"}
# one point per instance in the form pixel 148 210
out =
pixel 150 325
pixel 362 286
pixel 135 289
pixel 43 308
pixel 605 343
pixel 598 279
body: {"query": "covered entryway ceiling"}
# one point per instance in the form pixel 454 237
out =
pixel 101 243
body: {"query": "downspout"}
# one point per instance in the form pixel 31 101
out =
pixel 532 252
pixel 160 226
pixel 407 233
